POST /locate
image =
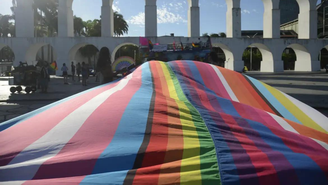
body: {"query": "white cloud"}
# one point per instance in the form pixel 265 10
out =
pixel 218 5
pixel 138 19
pixel 163 16
pixel 245 11
pixel 115 7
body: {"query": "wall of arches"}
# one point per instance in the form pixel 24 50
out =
pixel 271 18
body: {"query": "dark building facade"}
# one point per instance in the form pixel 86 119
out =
pixel 289 11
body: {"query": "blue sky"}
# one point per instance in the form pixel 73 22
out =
pixel 172 14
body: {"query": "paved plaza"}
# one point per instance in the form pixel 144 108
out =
pixel 310 88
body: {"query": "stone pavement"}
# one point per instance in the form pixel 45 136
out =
pixel 310 88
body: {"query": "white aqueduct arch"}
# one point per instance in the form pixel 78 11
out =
pixel 65 44
pixel 32 51
pixel 118 47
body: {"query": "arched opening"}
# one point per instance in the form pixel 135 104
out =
pixel 40 52
pixel 45 18
pixel 127 50
pixel 215 16
pixel 252 58
pixel 224 54
pixel 89 25
pixel 296 57
pixel 258 57
pixel 323 58
pixel 85 24
pixel 7 58
pixel 252 16
pixel 172 18
pixel 86 53
pixel 289 58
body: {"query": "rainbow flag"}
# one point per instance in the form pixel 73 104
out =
pixel 54 66
pixel 181 122
pixel 150 45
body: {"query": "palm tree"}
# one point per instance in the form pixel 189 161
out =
pixel 120 25
pixel 79 26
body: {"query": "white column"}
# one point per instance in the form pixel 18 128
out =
pixel 65 19
pixel 24 18
pixel 271 19
pixel 233 23
pixel 193 19
pixel 307 19
pixel 150 18
pixel 107 19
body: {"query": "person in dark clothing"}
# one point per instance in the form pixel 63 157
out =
pixel 213 58
pixel 73 71
pixel 104 65
pixel 85 74
pixel 78 71
pixel 44 79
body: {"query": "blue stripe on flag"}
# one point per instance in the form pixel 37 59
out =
pixel 273 101
pixel 119 156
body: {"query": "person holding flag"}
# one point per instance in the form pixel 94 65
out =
pixel 150 45
pixel 54 66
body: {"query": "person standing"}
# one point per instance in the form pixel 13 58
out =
pixel 65 73
pixel 104 65
pixel 78 71
pixel 85 74
pixel 44 79
pixel 73 71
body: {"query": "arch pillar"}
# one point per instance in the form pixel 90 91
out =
pixel 24 18
pixel 65 18
pixel 150 18
pixel 107 19
pixel 233 17
pixel 193 18
pixel 271 57
pixel 271 19
pixel 19 52
pixel 307 19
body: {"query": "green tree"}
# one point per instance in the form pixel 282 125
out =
pixel 120 25
pixel 222 34
pixel 214 35
pixel 79 27
pixel 6 26
pixel 89 51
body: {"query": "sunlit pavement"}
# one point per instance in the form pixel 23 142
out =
pixel 310 88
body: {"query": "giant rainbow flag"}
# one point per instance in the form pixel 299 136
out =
pixel 181 122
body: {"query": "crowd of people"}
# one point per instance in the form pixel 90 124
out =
pixel 82 72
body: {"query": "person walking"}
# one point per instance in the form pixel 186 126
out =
pixel 78 71
pixel 85 74
pixel 65 74
pixel 73 71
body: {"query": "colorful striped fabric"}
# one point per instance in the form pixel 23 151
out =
pixel 181 122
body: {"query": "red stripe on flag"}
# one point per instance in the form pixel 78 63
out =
pixel 80 155
pixel 31 130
